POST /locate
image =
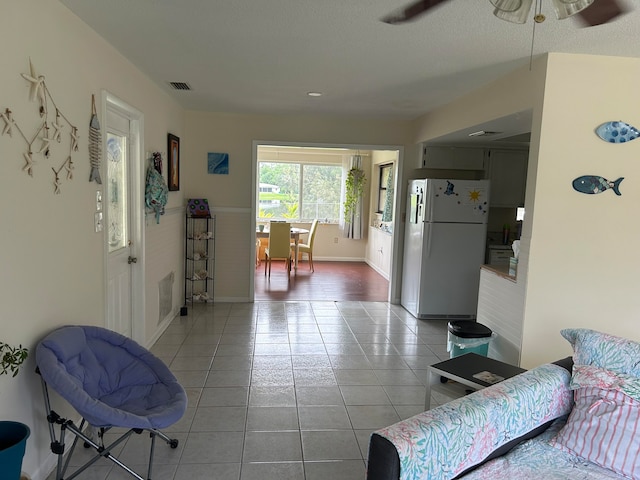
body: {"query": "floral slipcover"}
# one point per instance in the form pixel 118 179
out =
pixel 536 459
pixel 604 361
pixel 441 443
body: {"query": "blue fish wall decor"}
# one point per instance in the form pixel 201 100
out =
pixel 596 184
pixel 617 132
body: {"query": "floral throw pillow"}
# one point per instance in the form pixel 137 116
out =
pixel 604 425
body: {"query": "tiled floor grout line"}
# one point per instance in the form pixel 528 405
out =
pixel 362 342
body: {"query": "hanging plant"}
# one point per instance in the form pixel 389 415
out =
pixel 353 192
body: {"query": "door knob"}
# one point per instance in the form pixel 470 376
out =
pixel 131 260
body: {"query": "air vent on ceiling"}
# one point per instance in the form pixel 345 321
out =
pixel 180 86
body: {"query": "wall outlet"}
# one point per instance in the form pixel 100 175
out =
pixel 335 239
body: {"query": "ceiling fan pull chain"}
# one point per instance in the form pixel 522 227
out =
pixel 536 18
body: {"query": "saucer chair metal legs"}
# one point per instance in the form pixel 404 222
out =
pixel 111 381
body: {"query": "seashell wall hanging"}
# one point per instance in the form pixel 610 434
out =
pixel 47 133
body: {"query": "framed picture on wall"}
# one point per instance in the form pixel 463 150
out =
pixel 173 147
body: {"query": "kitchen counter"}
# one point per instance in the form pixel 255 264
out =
pixel 500 270
pixel 501 307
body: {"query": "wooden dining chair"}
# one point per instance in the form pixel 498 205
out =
pixel 279 246
pixel 308 247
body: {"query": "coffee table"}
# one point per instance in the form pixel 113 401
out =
pixel 461 370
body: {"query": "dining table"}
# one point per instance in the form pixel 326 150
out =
pixel 295 236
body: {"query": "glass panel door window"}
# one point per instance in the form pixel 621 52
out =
pixel 117 191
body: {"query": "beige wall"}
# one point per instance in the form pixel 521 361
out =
pixel 52 260
pixel 232 196
pixel 584 248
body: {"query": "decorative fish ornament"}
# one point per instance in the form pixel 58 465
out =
pixel 595 184
pixel 95 144
pixel 617 132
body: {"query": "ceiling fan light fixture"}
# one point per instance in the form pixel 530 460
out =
pixel 566 8
pixel 514 11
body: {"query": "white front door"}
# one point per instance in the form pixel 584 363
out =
pixel 123 243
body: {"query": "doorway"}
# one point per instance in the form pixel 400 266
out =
pixel 123 231
pixel 292 201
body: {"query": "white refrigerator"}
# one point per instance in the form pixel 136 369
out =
pixel 444 247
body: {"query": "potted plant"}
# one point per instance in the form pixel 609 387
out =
pixel 13 435
pixel 353 192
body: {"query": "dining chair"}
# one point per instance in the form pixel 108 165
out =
pixel 308 247
pixel 279 245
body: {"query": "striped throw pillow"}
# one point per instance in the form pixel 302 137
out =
pixel 604 425
pixel 604 428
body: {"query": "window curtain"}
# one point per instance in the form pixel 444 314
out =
pixel 351 227
pixel 387 212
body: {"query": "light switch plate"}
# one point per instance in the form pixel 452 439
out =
pixel 97 219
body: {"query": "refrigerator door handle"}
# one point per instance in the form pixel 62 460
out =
pixel 427 201
pixel 427 235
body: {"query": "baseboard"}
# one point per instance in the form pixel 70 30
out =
pixel 231 300
pixel 336 259
pixel 161 328
pixel 377 269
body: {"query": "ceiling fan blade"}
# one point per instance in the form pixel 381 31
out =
pixel 411 12
pixel 600 11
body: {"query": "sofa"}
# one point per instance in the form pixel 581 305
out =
pixel 576 418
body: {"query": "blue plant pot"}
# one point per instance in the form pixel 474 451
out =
pixel 13 442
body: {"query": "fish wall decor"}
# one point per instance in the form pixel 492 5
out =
pixel 591 184
pixel 617 132
pixel 95 144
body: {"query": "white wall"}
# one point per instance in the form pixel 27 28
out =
pixel 231 195
pixel 583 258
pixel 52 260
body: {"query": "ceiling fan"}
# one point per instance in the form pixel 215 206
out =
pixel 591 12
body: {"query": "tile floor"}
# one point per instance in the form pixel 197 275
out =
pixel 286 390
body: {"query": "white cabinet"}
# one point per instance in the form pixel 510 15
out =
pixel 508 175
pixel 454 158
pixel 379 251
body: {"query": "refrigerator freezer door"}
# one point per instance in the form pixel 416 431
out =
pixel 452 254
pixel 459 201
pixel 412 247
pixel 411 267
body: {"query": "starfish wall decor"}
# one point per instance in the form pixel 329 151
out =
pixel 47 139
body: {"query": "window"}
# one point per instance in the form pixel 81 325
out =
pixel 299 191
pixel 386 179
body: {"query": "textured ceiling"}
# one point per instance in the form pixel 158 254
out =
pixel 263 56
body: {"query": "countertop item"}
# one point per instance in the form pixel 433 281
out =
pixel 499 254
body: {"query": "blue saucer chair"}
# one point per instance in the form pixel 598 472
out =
pixel 111 381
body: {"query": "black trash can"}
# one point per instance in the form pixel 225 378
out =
pixel 466 336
